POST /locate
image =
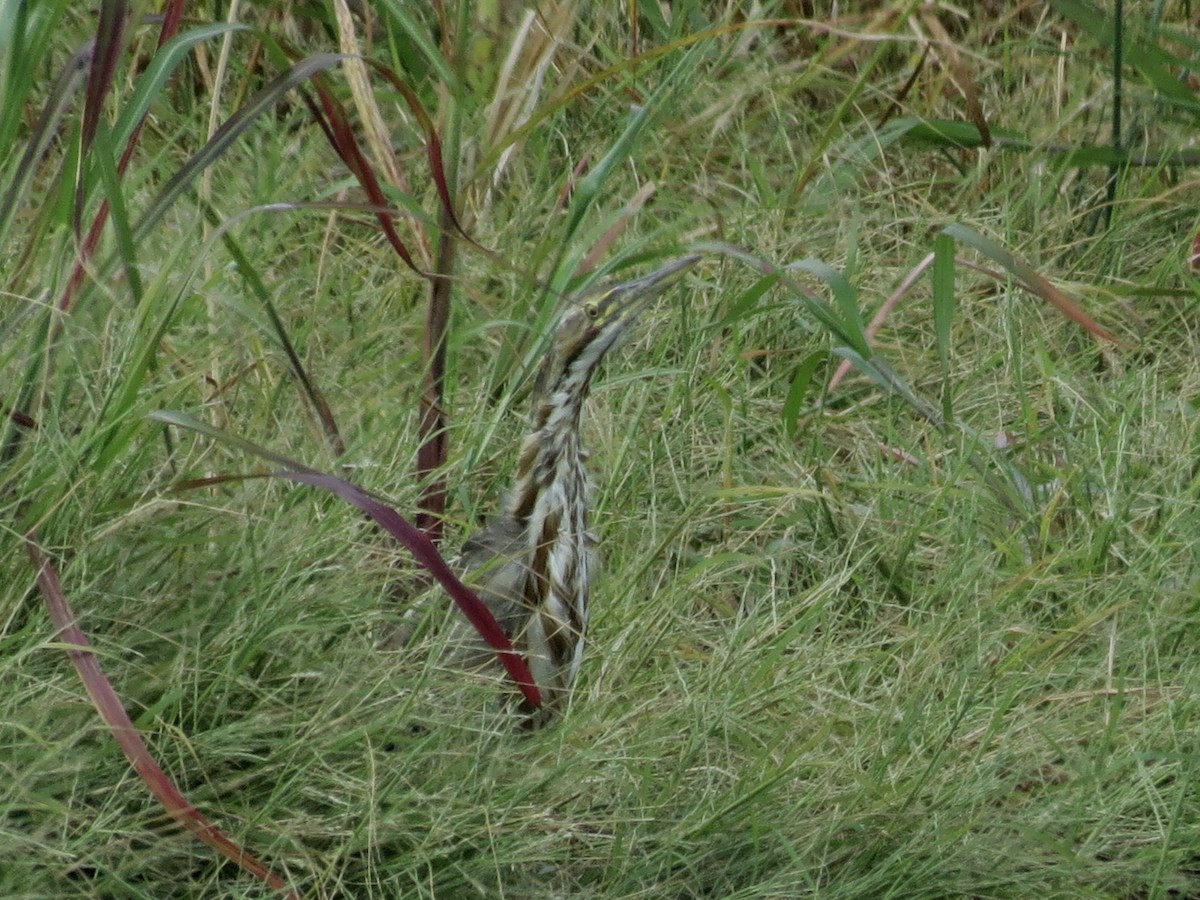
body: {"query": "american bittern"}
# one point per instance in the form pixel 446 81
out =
pixel 533 565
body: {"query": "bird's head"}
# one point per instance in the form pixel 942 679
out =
pixel 593 322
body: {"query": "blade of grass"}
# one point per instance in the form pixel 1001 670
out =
pixel 834 122
pixel 1116 138
pixel 1009 490
pixel 112 711
pixel 849 327
pixel 741 305
pixel 412 538
pixel 31 35
pixel 952 134
pixel 850 341
pixel 130 126
pixel 1153 63
pixel 249 273
pixel 883 312
pixel 110 34
pixel 433 145
pixel 110 179
pixel 173 50
pixel 798 389
pixel 565 98
pixel 960 74
pixel 1030 279
pixel 433 438
pixel 589 187
pixel 336 125
pixel 235 126
pixel 417 33
pixel 427 555
pixel 945 306
pixel 44 133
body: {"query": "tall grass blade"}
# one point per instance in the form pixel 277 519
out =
pixel 640 118
pixel 110 34
pixel 233 128
pixel 112 711
pixel 952 134
pixel 848 327
pixel 1153 63
pixel 847 331
pixel 110 179
pixel 412 538
pixel 399 14
pixel 433 145
pixel 960 73
pixel 336 125
pixel 43 134
pixel 945 306
pixel 1118 101
pixel 1032 280
pixel 798 390
pixel 427 555
pixel 174 49
pixel 247 269
pixel 957 135
pixel 434 442
pixel 130 126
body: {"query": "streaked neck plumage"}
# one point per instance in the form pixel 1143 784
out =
pixel 550 503
pixel 546 514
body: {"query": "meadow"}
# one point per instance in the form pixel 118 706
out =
pixel 897 491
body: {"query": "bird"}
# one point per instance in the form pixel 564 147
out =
pixel 534 563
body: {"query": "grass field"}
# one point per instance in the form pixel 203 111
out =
pixel 928 628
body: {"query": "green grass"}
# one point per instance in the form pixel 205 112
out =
pixel 837 651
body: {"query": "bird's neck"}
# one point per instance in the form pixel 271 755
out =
pixel 549 504
pixel 552 482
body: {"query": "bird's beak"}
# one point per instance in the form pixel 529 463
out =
pixel 650 286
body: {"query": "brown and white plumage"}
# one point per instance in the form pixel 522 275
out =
pixel 533 565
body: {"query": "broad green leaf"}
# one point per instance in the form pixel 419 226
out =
pixel 162 65
pixel 798 390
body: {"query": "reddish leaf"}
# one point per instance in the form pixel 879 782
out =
pixel 411 537
pixel 108 704
pixel 427 555
pixel 336 125
pixel 433 145
pixel 1032 280
pixel 110 32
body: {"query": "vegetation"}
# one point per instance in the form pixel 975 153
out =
pixel 923 628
